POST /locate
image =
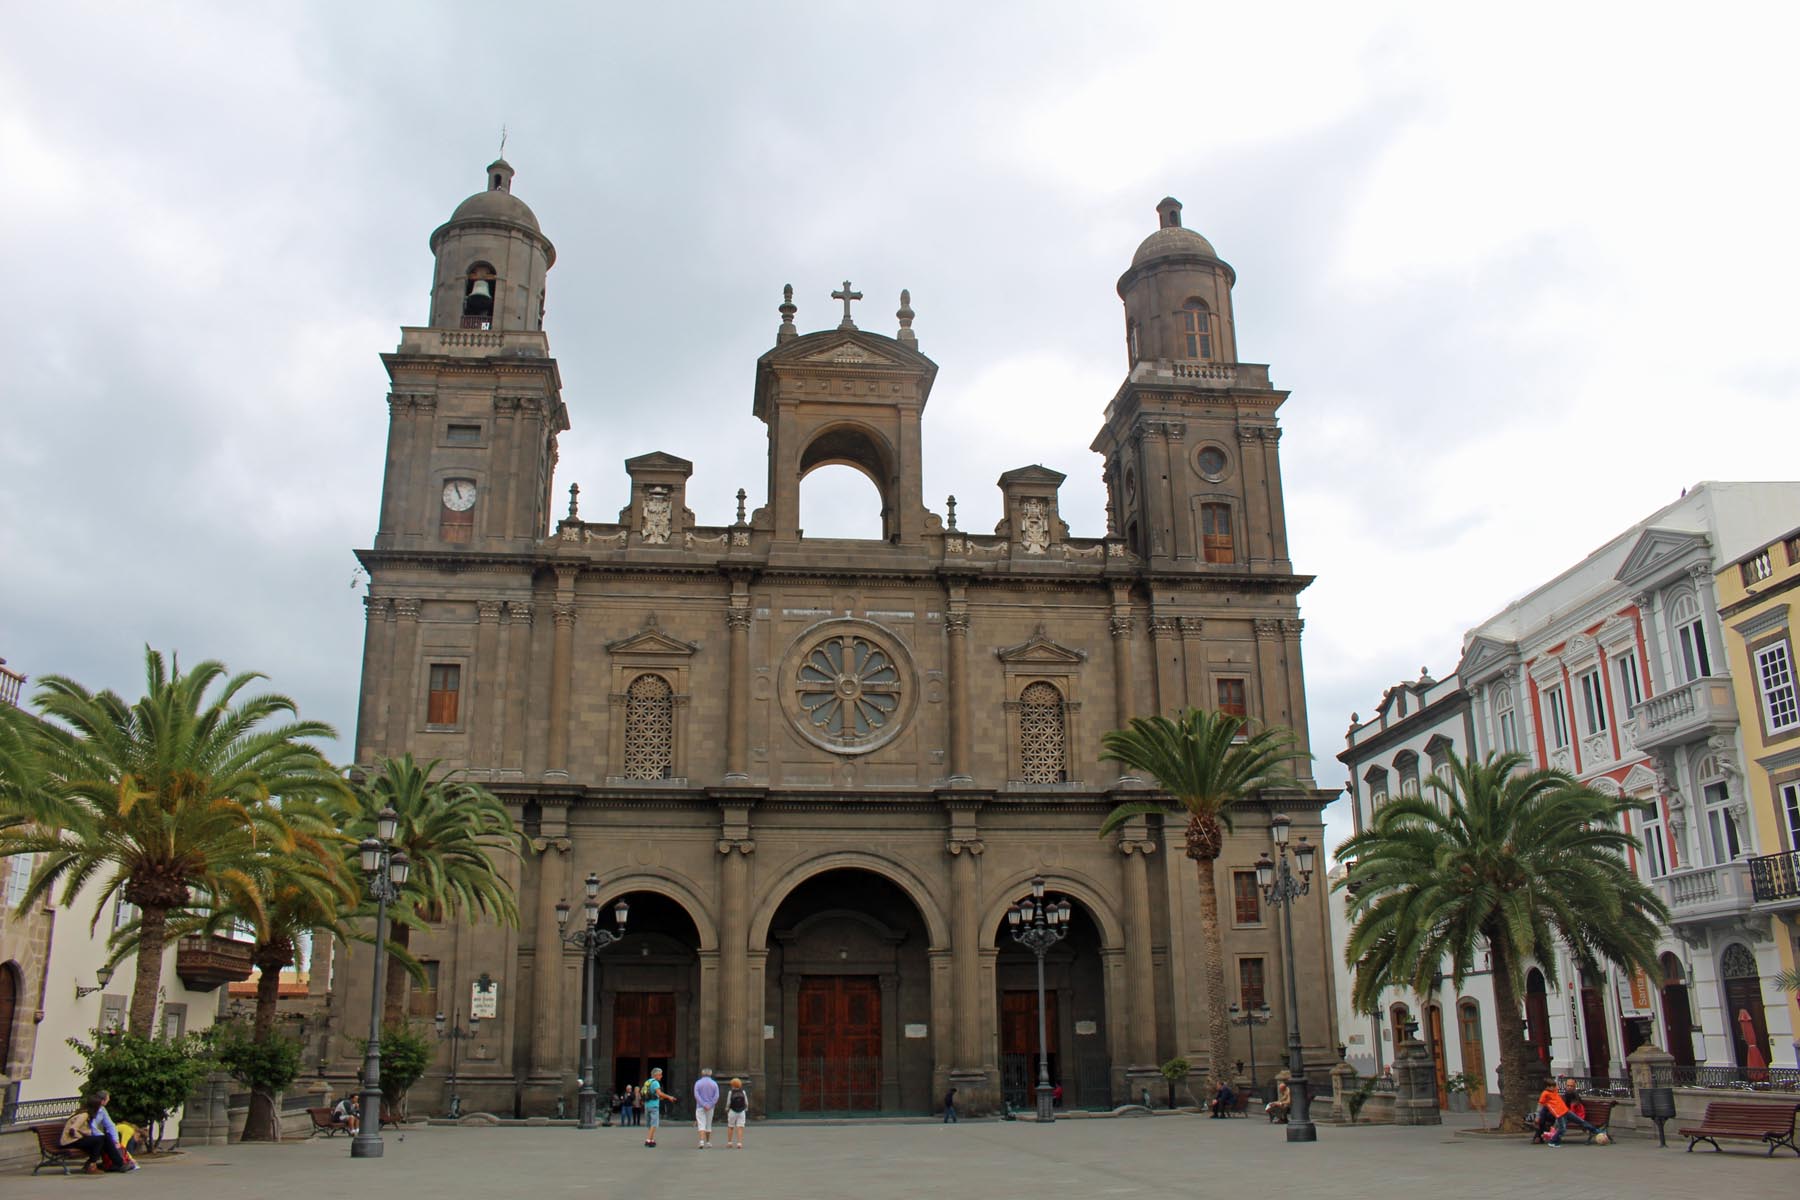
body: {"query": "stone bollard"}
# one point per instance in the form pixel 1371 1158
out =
pixel 1343 1082
pixel 1416 1075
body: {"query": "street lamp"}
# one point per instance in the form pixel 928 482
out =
pixel 591 940
pixel 1038 924
pixel 386 867
pixel 1282 885
pixel 1250 1018
pixel 453 1034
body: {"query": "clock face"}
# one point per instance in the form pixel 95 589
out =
pixel 459 495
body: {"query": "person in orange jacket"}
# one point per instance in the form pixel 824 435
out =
pixel 1552 1112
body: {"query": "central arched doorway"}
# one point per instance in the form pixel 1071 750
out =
pixel 848 999
pixel 1537 1018
pixel 647 999
pixel 1744 1016
pixel 1074 1015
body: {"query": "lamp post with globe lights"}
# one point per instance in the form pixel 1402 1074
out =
pixel 1250 1018
pixel 1282 884
pixel 590 939
pixel 1038 924
pixel 386 867
pixel 453 1032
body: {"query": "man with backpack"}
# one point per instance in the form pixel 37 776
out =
pixel 737 1108
pixel 652 1098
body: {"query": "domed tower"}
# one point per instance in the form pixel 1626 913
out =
pixel 1178 296
pixel 476 402
pixel 1191 445
pixel 491 261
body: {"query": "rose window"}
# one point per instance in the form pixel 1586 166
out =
pixel 848 689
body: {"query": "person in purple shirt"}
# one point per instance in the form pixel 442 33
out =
pixel 706 1095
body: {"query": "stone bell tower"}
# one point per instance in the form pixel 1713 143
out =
pixel 849 397
pixel 476 402
pixel 1190 440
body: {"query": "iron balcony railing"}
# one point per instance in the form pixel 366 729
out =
pixel 1776 876
pixel 37 1112
pixel 1748 1079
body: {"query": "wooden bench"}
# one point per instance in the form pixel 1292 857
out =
pixel 1240 1107
pixel 1747 1120
pixel 51 1151
pixel 325 1122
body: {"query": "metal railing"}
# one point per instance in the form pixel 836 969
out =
pixel 37 1112
pixel 1615 1086
pixel 1759 1079
pixel 1776 876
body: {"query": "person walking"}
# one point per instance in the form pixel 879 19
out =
pixel 706 1096
pixel 950 1107
pixel 737 1109
pixel 652 1097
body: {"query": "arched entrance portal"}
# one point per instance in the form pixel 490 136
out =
pixel 1743 1005
pixel 848 1000
pixel 1678 1016
pixel 1074 1016
pixel 1537 1017
pixel 647 998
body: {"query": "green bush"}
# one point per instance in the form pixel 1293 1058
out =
pixel 1175 1070
pixel 149 1078
pixel 404 1057
pixel 260 1066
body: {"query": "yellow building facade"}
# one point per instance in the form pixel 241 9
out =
pixel 1758 597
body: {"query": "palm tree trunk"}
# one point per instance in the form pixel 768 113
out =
pixel 393 1002
pixel 153 937
pixel 263 1123
pixel 1520 1072
pixel 1218 1028
pixel 268 1000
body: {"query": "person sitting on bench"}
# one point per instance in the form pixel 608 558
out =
pixel 1224 1100
pixel 1279 1106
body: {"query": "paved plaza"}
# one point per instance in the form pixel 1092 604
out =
pixel 1167 1156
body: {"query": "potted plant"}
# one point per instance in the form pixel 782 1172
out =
pixel 1174 1071
pixel 1463 1088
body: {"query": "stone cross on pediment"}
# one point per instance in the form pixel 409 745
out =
pixel 846 296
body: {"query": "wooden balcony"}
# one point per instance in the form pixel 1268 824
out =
pixel 206 962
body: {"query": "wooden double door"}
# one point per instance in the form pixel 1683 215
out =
pixel 839 1059
pixel 643 1035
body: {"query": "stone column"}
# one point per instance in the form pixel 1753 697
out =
pixel 956 625
pixel 1124 685
pixel 965 946
pixel 1271 676
pixel 406 701
pixel 890 1040
pixel 1193 663
pixel 562 666
pixel 1291 628
pixel 737 720
pixel 1136 845
pixel 1159 537
pixel 377 649
pixel 549 1033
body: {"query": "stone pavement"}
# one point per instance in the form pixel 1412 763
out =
pixel 1167 1156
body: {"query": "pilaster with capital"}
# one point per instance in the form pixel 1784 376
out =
pixel 735 846
pixel 737 719
pixel 403 671
pixel 956 629
pixel 377 648
pixel 964 846
pixel 1120 624
pixel 549 1033
pixel 515 660
pixel 484 716
pixel 562 667
pixel 1166 658
pixel 1136 845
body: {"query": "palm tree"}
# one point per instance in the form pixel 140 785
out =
pixel 1503 861
pixel 163 799
pixel 1208 762
pixel 450 829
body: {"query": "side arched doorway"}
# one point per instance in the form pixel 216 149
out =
pixel 1076 1036
pixel 847 999
pixel 1743 1004
pixel 646 999
pixel 12 989
pixel 1678 1014
pixel 1593 1024
pixel 1537 1017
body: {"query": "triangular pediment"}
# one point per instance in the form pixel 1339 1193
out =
pixel 1041 650
pixel 1037 475
pixel 651 640
pixel 1639 779
pixel 1482 653
pixel 1658 546
pixel 658 460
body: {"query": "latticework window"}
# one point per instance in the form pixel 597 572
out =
pixel 649 728
pixel 1043 735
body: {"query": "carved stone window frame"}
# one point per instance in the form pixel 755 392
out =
pixel 444 656
pixel 649 651
pixel 1042 660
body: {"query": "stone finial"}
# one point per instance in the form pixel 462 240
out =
pixel 950 506
pixel 906 336
pixel 1168 213
pixel 574 501
pixel 787 311
pixel 741 497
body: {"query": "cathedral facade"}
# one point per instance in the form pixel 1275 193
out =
pixel 819 771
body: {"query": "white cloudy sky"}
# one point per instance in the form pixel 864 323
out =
pixel 1527 271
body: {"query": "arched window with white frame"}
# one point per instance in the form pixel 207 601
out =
pixel 1693 657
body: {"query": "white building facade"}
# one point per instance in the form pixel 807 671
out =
pixel 1615 671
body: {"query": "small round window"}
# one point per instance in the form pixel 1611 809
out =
pixel 1211 461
